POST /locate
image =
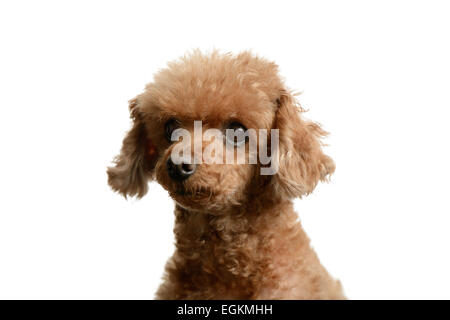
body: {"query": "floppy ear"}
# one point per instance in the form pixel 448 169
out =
pixel 133 167
pixel 302 163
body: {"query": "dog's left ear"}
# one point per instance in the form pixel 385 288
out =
pixel 302 163
pixel 134 165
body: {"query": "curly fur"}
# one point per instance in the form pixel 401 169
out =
pixel 237 235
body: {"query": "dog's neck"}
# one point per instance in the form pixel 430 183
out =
pixel 234 251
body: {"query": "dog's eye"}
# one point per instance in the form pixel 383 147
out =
pixel 169 127
pixel 236 134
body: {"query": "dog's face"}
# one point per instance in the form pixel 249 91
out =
pixel 223 92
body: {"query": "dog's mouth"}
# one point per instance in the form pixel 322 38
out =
pixel 201 192
pixel 193 198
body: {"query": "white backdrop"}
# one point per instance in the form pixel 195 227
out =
pixel 375 74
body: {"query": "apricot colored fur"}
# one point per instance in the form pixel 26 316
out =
pixel 237 235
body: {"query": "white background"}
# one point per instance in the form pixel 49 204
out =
pixel 376 74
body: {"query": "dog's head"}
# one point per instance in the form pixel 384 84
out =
pixel 223 92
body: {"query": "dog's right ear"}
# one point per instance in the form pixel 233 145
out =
pixel 302 161
pixel 133 167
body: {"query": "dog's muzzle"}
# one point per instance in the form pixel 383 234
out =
pixel 180 172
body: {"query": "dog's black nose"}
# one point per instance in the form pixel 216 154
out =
pixel 180 172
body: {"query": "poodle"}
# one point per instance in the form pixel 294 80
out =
pixel 237 234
